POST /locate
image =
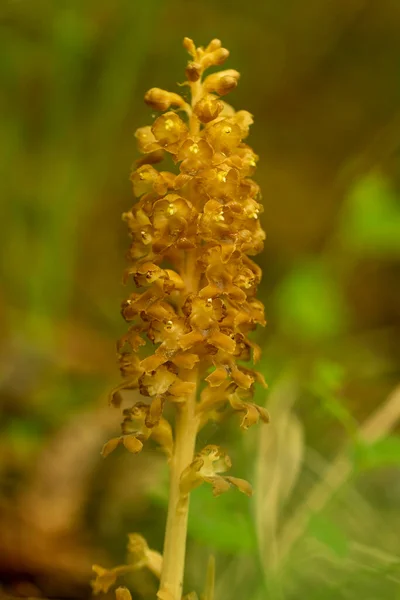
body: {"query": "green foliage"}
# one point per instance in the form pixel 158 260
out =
pixel 309 303
pixel 23 436
pixel 383 453
pixel 326 383
pixel 371 219
pixel 329 533
pixel 223 523
pixel 328 377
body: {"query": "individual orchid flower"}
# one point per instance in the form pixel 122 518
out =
pixel 140 422
pixel 140 556
pixel 207 467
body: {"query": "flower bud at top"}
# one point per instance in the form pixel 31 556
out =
pixel 193 71
pixel 208 108
pixel 222 82
pixel 218 57
pixel 213 45
pixel 188 44
pixel 162 100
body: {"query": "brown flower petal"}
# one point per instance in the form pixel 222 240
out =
pixel 110 446
pixel 151 363
pixel 105 578
pixel 132 444
pixel 222 341
pixel 219 484
pixel 185 360
pixel 155 412
pixel 242 379
pixel 162 434
pixel 241 484
pixel 190 339
pixel 181 389
pixel 253 412
pixel 217 377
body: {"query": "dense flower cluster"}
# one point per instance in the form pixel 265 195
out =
pixel 204 219
pixel 193 233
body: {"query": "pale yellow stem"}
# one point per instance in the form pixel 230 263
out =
pixel 186 426
pixel 196 91
pixel 178 508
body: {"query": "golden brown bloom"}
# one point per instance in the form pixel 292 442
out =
pixel 140 556
pixel 207 466
pixel 105 578
pixel 192 233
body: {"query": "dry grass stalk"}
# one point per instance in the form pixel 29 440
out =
pixel 279 466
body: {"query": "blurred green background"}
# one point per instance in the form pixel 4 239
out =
pixel 322 80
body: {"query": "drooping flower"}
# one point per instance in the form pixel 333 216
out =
pixel 206 467
pixel 140 556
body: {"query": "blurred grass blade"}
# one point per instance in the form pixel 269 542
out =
pixel 210 580
pixel 279 459
pixel 379 424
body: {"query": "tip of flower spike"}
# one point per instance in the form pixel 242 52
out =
pixel 203 58
pixel 188 44
pixel 215 44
